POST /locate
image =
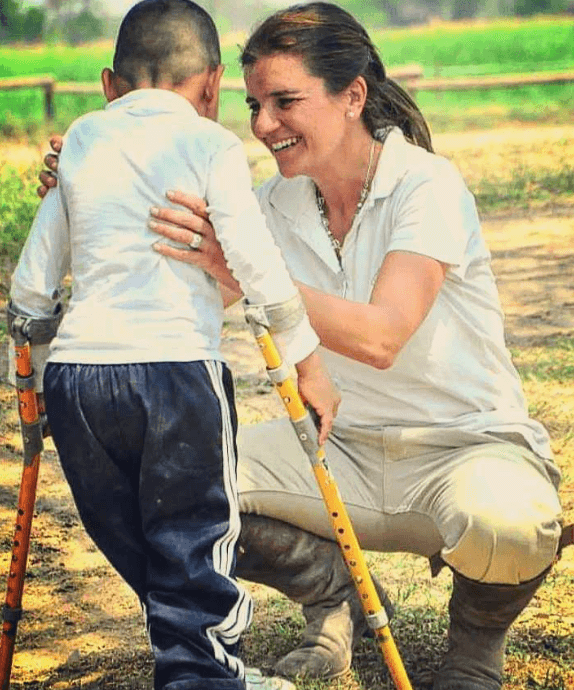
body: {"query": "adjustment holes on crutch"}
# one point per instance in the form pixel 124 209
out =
pixel 18 528
pixel 20 511
pixel 353 563
pixel 335 514
pixel 347 547
pixel 341 530
pixel 16 543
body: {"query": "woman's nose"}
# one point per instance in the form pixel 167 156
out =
pixel 263 122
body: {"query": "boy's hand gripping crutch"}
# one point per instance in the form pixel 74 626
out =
pixel 302 422
pixel 25 332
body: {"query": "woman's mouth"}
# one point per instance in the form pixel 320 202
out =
pixel 284 144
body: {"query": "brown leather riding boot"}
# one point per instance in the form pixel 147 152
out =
pixel 480 616
pixel 310 571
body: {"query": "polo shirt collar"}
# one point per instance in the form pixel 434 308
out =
pixel 391 167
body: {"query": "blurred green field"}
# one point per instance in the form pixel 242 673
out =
pixel 461 48
pixel 445 49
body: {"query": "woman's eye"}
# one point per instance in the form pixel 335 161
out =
pixel 253 107
pixel 284 103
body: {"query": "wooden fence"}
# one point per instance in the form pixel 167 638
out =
pixel 410 76
pixel 498 81
pixel 51 86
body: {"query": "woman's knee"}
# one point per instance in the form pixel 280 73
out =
pixel 503 521
pixel 504 551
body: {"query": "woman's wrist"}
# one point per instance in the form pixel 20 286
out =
pixel 310 362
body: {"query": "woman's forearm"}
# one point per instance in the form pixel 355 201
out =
pixel 365 332
pixel 375 332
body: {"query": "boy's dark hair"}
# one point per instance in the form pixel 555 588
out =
pixel 165 40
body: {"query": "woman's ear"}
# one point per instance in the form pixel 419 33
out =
pixel 356 94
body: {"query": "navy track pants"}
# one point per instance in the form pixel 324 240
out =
pixel 149 453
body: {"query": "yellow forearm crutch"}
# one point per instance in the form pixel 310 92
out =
pixel 302 422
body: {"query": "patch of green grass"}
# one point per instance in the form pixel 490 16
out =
pixel 524 644
pixel 525 187
pixel 553 362
pixel 18 204
pixel 457 111
pixel 66 63
pixel 535 42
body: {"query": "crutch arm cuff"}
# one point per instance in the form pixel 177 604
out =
pixel 276 317
pixel 288 322
pixel 33 329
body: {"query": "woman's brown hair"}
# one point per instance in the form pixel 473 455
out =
pixel 336 48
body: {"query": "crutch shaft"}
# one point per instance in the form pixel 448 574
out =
pixel 339 517
pixel 29 416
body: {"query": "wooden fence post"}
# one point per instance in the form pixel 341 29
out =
pixel 38 81
pixel 49 101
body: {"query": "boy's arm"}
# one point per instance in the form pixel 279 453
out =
pixel 252 254
pixel 42 266
pixel 44 260
pixel 256 263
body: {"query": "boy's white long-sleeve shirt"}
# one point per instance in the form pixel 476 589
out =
pixel 129 303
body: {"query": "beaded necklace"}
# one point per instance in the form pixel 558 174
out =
pixel 380 137
pixel 337 245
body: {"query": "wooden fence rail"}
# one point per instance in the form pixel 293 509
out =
pixel 498 81
pixel 50 86
pixel 38 81
pixel 410 76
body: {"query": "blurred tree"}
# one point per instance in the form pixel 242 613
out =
pixel 75 21
pixel 526 8
pixel 9 19
pixel 406 12
pixel 83 27
pixel 464 9
pixel 33 24
pixel 17 24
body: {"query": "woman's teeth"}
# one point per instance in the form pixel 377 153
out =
pixel 286 143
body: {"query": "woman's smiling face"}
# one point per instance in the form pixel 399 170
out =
pixel 292 113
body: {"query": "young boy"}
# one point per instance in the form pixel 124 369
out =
pixel 139 401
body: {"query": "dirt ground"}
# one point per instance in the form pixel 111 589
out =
pixel 82 626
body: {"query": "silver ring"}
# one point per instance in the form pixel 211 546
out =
pixel 196 240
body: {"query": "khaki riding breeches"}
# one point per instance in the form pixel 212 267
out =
pixel 489 506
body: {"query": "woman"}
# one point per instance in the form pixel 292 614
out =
pixel 384 241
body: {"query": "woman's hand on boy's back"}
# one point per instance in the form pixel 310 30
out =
pixel 47 177
pixel 191 226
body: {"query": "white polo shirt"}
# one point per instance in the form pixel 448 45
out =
pixel 455 371
pixel 129 303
